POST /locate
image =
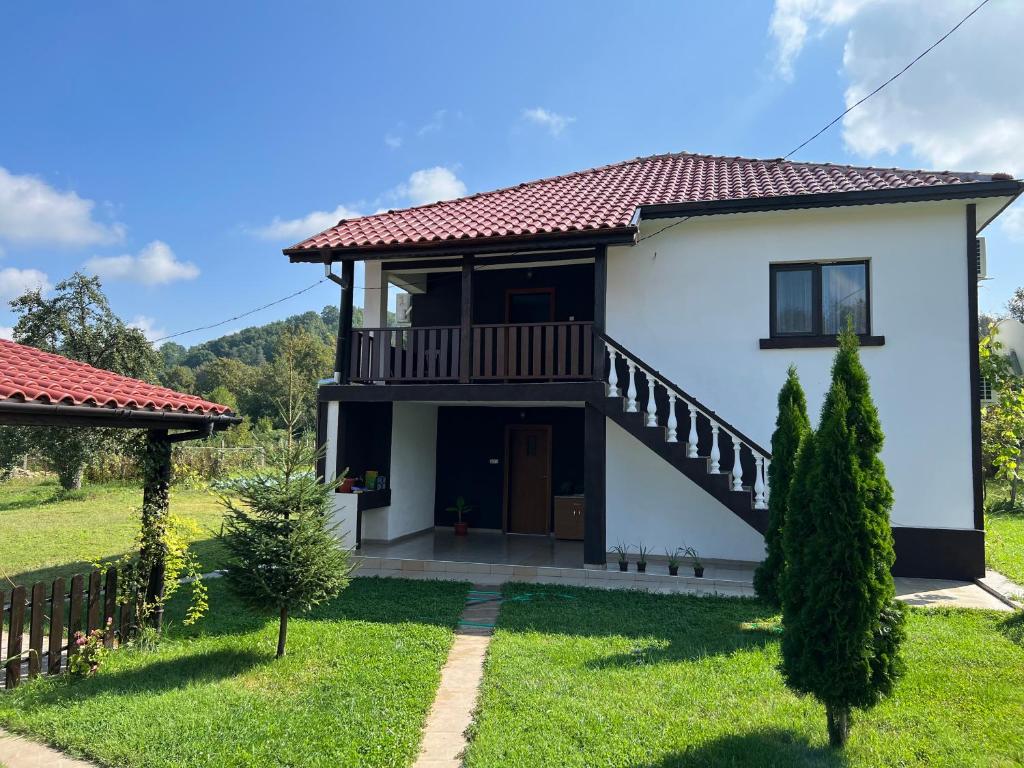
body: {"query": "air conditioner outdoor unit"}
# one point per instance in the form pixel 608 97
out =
pixel 403 309
pixel 982 260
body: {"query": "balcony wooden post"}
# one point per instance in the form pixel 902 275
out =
pixel 343 349
pixel 466 322
pixel 600 309
pixel 595 522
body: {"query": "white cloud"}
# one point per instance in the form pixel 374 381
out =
pixel 793 21
pixel 16 282
pixel 34 213
pixel 155 264
pixel 297 229
pixel 148 327
pixel 393 141
pixel 6 332
pixel 552 121
pixel 435 124
pixel 430 185
pixel 1012 222
pixel 961 107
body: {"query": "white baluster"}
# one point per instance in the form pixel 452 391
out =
pixel 759 483
pixel 767 484
pixel 737 467
pixel 671 423
pixel 631 392
pixel 613 374
pixel 691 439
pixel 652 404
pixel 715 453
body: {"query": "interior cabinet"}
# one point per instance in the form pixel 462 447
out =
pixel 569 517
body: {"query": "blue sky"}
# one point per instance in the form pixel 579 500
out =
pixel 175 148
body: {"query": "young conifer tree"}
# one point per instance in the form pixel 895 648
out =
pixel 843 627
pixel 790 426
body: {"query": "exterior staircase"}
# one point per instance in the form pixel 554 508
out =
pixel 687 434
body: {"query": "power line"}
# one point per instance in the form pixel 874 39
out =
pixel 789 154
pixel 243 314
pixel 920 56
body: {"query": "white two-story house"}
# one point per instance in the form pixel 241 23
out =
pixel 597 356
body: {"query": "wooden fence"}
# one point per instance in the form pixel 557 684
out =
pixel 55 612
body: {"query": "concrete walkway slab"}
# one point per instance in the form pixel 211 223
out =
pixel 931 593
pixel 19 752
pixel 451 714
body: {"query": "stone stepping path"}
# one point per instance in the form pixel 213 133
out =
pixel 444 735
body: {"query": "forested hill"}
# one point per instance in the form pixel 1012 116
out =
pixel 258 344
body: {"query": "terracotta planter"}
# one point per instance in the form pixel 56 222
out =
pixel 641 567
pixel 623 565
pixel 698 571
pixel 461 529
pixel 673 570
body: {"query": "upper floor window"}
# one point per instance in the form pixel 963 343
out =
pixel 819 299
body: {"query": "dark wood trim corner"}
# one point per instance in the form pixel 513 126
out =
pixel 939 553
pixel 600 310
pixel 595 550
pixel 813 342
pixel 343 347
pixel 466 318
pixel 974 364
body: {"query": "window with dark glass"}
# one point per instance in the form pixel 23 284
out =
pixel 819 299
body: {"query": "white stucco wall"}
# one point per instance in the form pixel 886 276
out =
pixel 694 302
pixel 413 472
pixel 650 502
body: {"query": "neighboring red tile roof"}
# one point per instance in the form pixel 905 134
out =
pixel 31 375
pixel 607 197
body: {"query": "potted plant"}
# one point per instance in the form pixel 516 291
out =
pixel 698 566
pixel 673 561
pixel 641 561
pixel 620 550
pixel 460 508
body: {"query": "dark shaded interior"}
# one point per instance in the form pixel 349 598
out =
pixel 468 438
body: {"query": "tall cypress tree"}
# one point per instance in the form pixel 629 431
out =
pixel 790 426
pixel 843 627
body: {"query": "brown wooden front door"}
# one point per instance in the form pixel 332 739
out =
pixel 528 479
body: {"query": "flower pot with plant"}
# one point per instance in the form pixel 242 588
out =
pixel 623 556
pixel 641 561
pixel 460 508
pixel 674 558
pixel 698 566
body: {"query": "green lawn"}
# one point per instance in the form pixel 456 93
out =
pixel 354 689
pixel 1004 537
pixel 579 677
pixel 46 534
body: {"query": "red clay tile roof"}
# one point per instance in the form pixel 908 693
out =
pixel 606 198
pixel 31 375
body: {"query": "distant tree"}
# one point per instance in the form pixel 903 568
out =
pixel 286 389
pixel 1015 306
pixel 223 396
pixel 78 323
pixel 233 375
pixel 181 379
pixel 1002 420
pixel 13 448
pixel 198 357
pixel 790 426
pixel 172 354
pixel 843 626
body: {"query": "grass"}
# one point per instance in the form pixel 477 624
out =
pixel 579 677
pixel 354 689
pixel 49 533
pixel 1004 538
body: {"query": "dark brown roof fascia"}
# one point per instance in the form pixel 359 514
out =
pixel 63 415
pixel 476 245
pixel 967 190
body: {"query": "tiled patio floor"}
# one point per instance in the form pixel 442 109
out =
pixel 490 558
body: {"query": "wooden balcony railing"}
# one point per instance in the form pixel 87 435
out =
pixel 405 354
pixel 528 352
pixel 540 351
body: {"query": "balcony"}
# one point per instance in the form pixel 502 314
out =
pixel 551 351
